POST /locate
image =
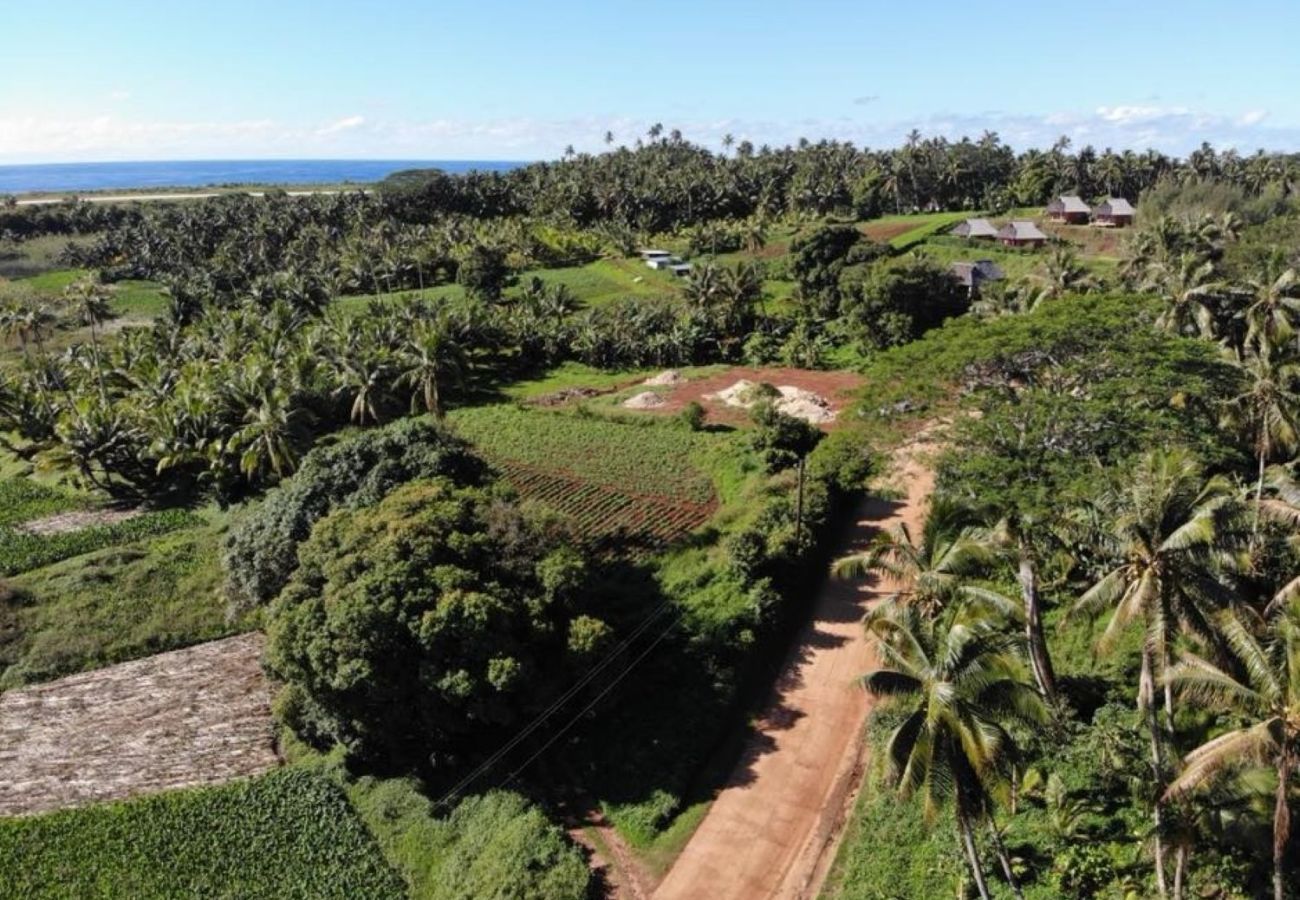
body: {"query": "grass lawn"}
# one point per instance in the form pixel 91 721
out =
pixel 594 284
pixel 36 256
pixel 113 605
pixel 290 833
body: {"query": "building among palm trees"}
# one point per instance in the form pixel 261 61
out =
pixel 1021 234
pixel 974 275
pixel 1069 209
pixel 1116 212
pixel 976 228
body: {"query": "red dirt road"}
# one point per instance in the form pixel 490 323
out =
pixel 773 829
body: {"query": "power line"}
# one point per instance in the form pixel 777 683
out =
pixel 586 709
pixel 555 706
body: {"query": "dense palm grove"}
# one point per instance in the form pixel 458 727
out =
pixel 1094 667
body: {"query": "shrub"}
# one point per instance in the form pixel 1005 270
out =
pixel 261 549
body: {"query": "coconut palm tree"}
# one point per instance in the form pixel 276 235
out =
pixel 966 683
pixel 429 354
pixel 1269 409
pixel 1063 274
pixel 1190 288
pixel 1266 696
pixel 930 568
pixel 1169 527
pixel 1274 303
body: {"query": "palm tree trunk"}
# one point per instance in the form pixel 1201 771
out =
pixel 1039 658
pixel 972 855
pixel 1281 826
pixel 1002 858
pixel 1180 866
pixel 1259 496
pixel 1146 702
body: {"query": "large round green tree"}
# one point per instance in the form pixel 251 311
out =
pixel 421 626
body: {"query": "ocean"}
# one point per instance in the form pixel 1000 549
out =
pixel 58 177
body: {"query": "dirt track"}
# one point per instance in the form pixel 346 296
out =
pixel 773 829
pixel 196 716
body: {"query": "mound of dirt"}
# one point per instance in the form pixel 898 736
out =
pixel 791 400
pixel 668 377
pixel 644 400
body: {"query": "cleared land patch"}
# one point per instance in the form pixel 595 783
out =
pixel 190 717
pixel 609 479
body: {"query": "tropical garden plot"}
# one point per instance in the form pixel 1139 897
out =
pixel 608 479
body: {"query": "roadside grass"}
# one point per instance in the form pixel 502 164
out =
pixel 116 604
pixel 290 833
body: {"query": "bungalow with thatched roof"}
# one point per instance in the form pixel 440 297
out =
pixel 1022 234
pixel 974 274
pixel 1116 212
pixel 976 228
pixel 1069 209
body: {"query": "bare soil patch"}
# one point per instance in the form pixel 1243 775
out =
pixel 836 388
pixel 887 231
pixel 197 716
pixel 76 520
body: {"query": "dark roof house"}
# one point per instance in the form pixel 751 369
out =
pixel 974 274
pixel 976 228
pixel 1069 209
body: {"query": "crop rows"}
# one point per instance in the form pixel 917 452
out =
pixel 22 500
pixel 602 514
pixel 287 834
pixel 21 551
pixel 641 460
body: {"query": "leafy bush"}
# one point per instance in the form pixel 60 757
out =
pixel 262 547
pixel 21 551
pixel 425 623
pixel 287 834
pixel 899 300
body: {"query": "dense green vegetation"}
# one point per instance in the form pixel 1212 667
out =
pixel 113 605
pixel 1099 615
pixel 1107 526
pixel 287 834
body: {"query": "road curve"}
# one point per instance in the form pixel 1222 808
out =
pixel 772 830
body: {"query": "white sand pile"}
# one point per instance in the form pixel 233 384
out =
pixel 644 400
pixel 671 376
pixel 793 401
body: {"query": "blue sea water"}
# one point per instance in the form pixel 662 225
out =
pixel 15 179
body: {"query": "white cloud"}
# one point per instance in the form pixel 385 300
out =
pixel 346 124
pixel 111 136
pixel 118 95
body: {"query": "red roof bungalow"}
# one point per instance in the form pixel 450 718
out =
pixel 1116 212
pixel 1022 234
pixel 1070 210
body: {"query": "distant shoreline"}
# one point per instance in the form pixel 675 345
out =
pixel 92 180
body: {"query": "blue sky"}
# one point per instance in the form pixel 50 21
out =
pixel 137 79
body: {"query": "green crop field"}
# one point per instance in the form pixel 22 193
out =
pixel 21 551
pixel 287 834
pixel 605 476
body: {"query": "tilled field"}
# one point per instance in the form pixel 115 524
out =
pixel 190 717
